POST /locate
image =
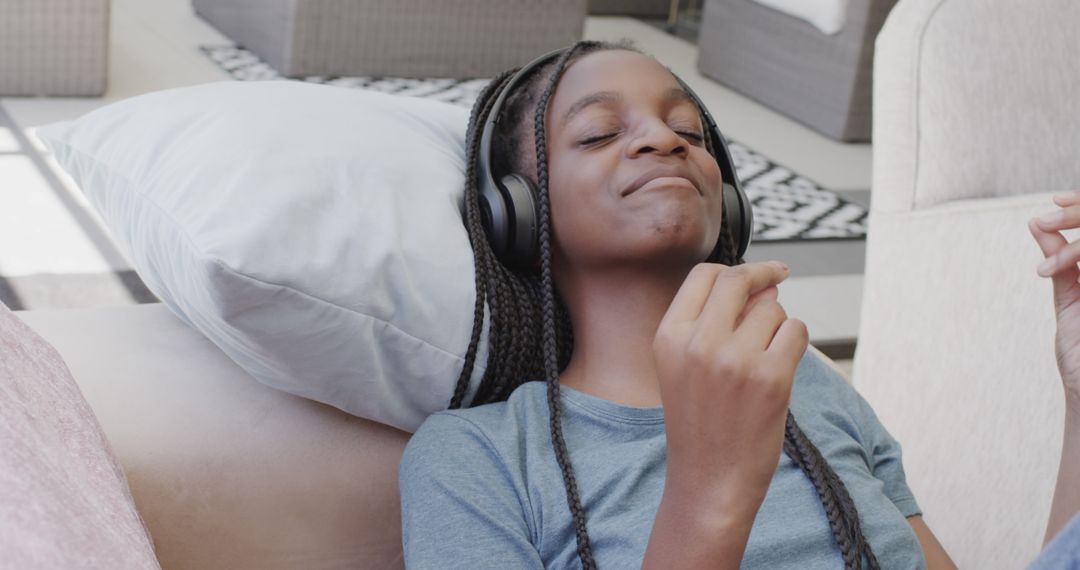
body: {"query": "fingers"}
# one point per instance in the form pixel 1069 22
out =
pixel 788 346
pixel 731 292
pixel 760 325
pixel 688 301
pixel 1061 256
pixel 1067 217
pixel 1067 199
pixel 1045 227
pixel 770 293
pixel 1050 242
pixel 1064 258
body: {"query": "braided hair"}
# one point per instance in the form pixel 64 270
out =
pixel 530 330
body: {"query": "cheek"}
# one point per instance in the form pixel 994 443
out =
pixel 715 180
pixel 578 203
pixel 570 208
pixel 711 169
pixel 571 187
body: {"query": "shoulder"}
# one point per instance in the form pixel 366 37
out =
pixel 491 430
pixel 818 382
pixel 462 475
pixel 495 418
pixel 820 394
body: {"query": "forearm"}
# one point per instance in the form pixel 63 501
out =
pixel 689 533
pixel 1067 492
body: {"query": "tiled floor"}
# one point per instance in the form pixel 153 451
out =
pixel 45 226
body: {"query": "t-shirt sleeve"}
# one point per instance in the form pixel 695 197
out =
pixel 459 504
pixel 1063 551
pixel 885 455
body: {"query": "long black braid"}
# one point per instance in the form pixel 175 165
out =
pixel 523 303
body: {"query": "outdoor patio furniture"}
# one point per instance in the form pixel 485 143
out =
pixel 400 38
pixel 643 8
pixel 786 63
pixel 54 47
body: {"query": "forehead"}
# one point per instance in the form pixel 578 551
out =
pixel 626 72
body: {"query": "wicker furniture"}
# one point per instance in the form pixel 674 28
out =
pixel 54 47
pixel 644 8
pixel 789 65
pixel 402 38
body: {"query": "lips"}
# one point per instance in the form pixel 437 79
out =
pixel 666 171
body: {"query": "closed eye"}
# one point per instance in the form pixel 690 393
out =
pixel 591 140
pixel 694 136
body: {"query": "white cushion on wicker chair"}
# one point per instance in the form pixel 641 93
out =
pixel 827 15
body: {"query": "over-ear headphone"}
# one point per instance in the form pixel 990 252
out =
pixel 509 205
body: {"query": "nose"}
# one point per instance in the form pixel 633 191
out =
pixel 657 137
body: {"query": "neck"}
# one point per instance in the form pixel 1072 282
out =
pixel 615 314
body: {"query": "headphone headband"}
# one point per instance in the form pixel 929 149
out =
pixel 508 205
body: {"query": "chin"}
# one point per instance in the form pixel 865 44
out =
pixel 681 232
pixel 689 251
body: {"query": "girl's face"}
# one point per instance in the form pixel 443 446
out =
pixel 629 177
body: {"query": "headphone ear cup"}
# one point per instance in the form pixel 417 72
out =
pixel 495 218
pixel 509 214
pixel 739 215
pixel 525 217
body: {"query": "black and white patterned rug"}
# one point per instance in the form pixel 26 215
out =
pixel 787 206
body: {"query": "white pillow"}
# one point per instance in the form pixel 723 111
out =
pixel 313 233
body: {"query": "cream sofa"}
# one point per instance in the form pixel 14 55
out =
pixel 226 473
pixel 975 127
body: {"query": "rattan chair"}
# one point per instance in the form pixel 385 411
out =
pixel 400 38
pixel 642 8
pixel 822 81
pixel 54 47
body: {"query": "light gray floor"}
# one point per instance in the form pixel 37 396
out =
pixel 46 226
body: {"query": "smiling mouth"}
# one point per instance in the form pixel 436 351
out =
pixel 666 182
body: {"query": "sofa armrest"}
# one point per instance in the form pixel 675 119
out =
pixel 227 472
pixel 956 356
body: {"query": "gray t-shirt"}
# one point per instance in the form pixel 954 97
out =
pixel 481 488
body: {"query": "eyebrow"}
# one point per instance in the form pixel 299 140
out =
pixel 611 97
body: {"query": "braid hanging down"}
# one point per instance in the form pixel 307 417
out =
pixel 531 334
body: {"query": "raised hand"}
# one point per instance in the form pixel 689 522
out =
pixel 726 355
pixel 1061 266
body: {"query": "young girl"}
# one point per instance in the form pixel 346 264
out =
pixel 639 297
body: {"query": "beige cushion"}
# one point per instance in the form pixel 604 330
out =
pixel 64 501
pixel 956 356
pixel 229 473
pixel 975 127
pixel 975 98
